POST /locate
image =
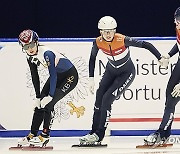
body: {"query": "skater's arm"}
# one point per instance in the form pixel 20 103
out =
pixel 50 59
pixel 142 44
pixel 174 50
pixel 35 77
pixel 92 59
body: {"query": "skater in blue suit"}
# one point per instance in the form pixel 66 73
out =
pixel 63 78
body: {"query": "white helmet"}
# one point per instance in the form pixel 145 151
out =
pixel 107 22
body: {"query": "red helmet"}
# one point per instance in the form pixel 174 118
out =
pixel 27 36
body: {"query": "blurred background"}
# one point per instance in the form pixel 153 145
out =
pixel 79 18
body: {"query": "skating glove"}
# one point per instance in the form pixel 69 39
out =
pixel 164 61
pixel 91 85
pixel 37 103
pixel 176 91
pixel 45 101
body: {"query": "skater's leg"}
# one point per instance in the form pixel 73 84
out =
pixel 119 85
pixel 37 120
pixel 69 78
pixel 170 103
pixel 106 82
pixel 164 131
pixel 113 92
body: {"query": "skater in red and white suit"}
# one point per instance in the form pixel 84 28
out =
pixel 172 94
pixel 118 76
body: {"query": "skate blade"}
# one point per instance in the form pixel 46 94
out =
pixel 89 145
pixel 153 146
pixel 15 148
pixel 35 148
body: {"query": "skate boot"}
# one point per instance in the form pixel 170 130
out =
pixel 83 139
pixel 156 139
pixel 90 139
pixel 25 140
pixel 42 140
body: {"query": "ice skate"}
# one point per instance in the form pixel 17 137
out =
pixel 41 140
pixel 89 140
pixel 34 143
pixel 25 140
pixel 155 140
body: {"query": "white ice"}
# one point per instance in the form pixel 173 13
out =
pixel 116 145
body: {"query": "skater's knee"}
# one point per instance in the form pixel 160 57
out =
pixel 170 106
pixel 99 92
pixel 106 102
pixel 48 108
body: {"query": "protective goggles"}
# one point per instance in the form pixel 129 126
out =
pixel 30 45
pixel 177 20
pixel 108 30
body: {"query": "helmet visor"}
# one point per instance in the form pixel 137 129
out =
pixel 30 45
pixel 177 18
pixel 108 31
pixel 108 34
pixel 177 21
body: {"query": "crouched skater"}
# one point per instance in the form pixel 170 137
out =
pixel 63 78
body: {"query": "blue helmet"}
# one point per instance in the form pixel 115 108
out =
pixel 177 13
pixel 27 36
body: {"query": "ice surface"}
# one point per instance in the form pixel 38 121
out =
pixel 116 145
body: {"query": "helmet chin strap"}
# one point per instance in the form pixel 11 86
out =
pixel 37 45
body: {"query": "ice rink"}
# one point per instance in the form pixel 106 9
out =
pixel 116 145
